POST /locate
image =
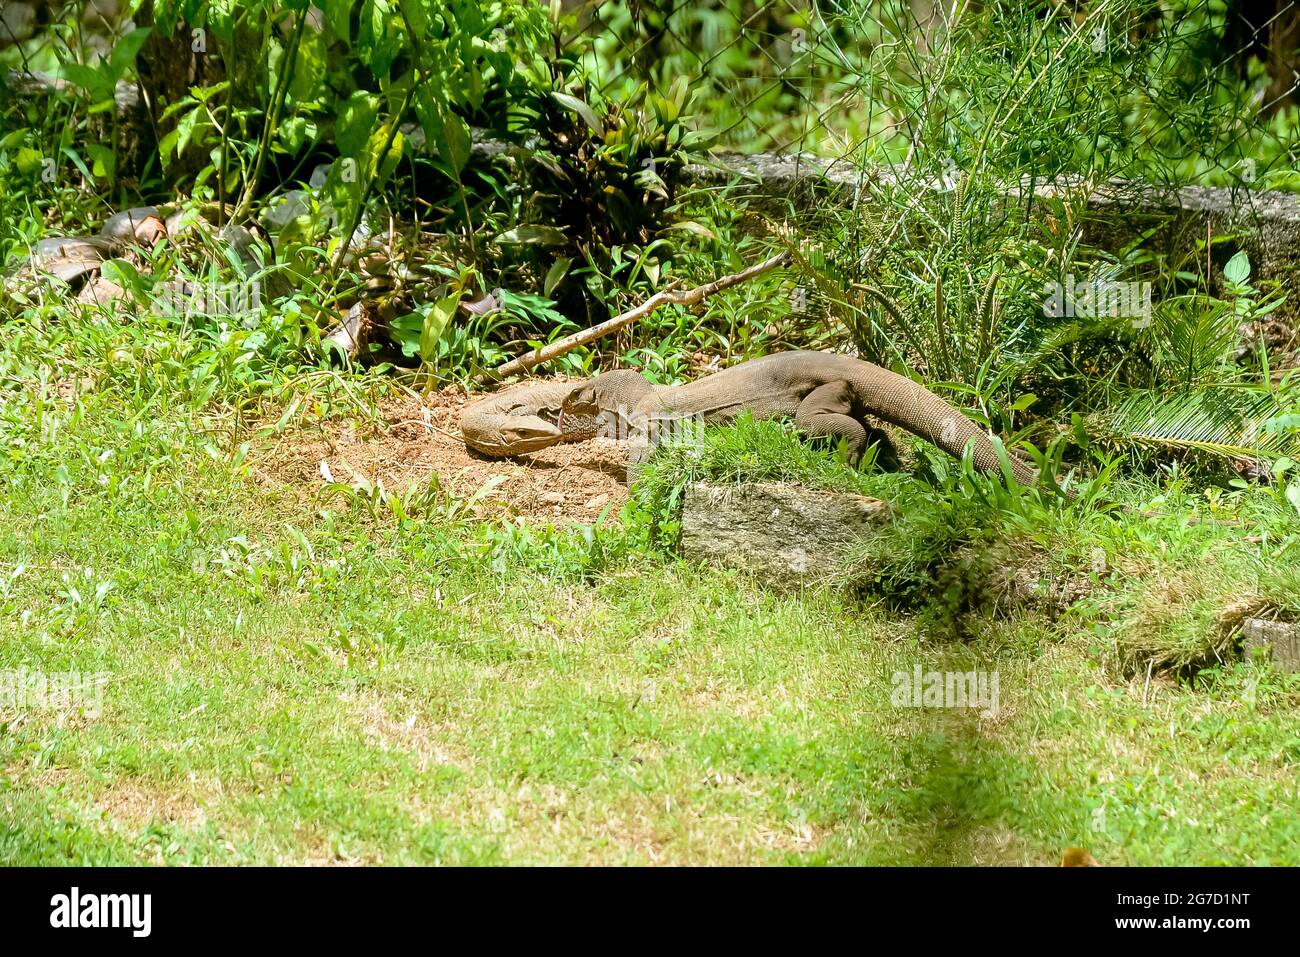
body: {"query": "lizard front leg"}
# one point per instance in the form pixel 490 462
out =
pixel 827 411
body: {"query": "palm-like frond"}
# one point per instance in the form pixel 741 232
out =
pixel 1232 419
pixel 1191 339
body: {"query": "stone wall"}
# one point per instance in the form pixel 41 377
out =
pixel 1266 224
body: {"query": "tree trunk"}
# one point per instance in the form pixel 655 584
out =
pixel 1270 31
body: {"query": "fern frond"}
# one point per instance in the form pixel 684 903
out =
pixel 1229 420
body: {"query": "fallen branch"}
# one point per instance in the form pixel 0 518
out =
pixel 688 297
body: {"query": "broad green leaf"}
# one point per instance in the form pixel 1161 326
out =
pixel 455 143
pixel 123 273
pixel 556 273
pixel 1238 268
pixel 167 146
pixel 1282 423
pixel 582 109
pixel 416 16
pixel 428 111
pixel 534 307
pixel 377 39
pixel 125 51
pixel 205 94
pixel 184 103
pixel 533 235
pixel 338 17
pixel 29 161
pixel 469 17
pixel 296 131
pixel 185 130
pixel 382 166
pixel 309 69
pixel 104 160
pixel 435 322
pixel 697 229
pixel 221 16
pixel 356 120
pixel 408 330
pixel 88 78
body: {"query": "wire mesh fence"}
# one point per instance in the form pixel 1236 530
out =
pixel 1165 91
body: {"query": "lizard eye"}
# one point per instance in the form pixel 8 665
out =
pixel 524 432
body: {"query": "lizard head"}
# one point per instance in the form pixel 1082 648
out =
pixel 515 434
pixel 582 402
pixel 607 392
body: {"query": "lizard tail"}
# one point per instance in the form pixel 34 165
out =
pixel 909 405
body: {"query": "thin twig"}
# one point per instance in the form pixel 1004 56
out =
pixel 688 297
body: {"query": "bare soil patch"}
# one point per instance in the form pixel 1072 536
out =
pixel 417 437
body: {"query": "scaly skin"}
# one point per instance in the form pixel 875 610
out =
pixel 827 394
pixel 523 419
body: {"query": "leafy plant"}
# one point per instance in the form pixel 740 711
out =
pixel 1199 397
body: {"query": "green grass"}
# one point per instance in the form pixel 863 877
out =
pixel 298 681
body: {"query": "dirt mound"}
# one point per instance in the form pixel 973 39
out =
pixel 416 437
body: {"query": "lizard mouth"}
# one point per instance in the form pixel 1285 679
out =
pixel 514 446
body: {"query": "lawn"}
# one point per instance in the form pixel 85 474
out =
pixel 303 677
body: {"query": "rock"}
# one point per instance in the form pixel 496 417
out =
pixel 73 259
pixel 251 253
pixel 100 292
pixel 1279 640
pixel 787 532
pixel 597 501
pixel 17 22
pixel 353 332
pixel 551 498
pixel 142 224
